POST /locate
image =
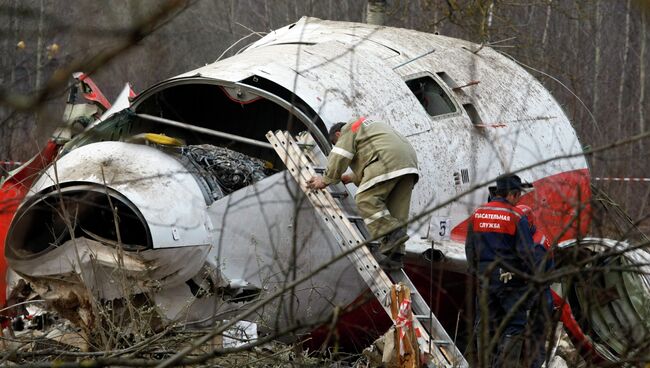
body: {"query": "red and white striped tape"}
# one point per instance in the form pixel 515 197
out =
pixel 403 323
pixel 623 179
pixel 6 166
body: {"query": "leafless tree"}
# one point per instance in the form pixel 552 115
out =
pixel 598 75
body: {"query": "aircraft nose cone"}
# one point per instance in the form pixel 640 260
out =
pixel 55 216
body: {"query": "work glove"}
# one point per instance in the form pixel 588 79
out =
pixel 505 277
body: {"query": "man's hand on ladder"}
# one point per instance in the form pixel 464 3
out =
pixel 316 182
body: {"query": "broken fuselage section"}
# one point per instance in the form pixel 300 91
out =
pixel 188 219
pixel 203 224
pixel 121 218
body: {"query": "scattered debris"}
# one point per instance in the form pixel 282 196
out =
pixel 242 333
pixel 557 362
pixel 62 341
pixel 566 355
pixel 382 352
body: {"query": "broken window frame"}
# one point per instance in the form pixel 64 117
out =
pixel 443 86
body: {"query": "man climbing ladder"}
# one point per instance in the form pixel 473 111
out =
pixel 385 169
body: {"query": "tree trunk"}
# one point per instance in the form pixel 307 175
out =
pixel 376 13
pixel 16 39
pixel 597 36
pixel 621 85
pixel 329 10
pixel 39 46
pixel 642 74
pixel 642 127
pixel 548 20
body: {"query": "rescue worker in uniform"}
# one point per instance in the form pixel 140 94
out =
pixel 499 251
pixel 384 169
pixel 541 307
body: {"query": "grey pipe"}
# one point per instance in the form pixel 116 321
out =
pixel 213 132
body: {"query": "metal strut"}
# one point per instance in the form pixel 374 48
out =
pixel 301 158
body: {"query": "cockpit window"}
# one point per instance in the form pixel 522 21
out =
pixel 433 98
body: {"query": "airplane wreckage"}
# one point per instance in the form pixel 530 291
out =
pixel 184 196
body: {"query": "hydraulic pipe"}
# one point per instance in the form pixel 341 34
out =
pixel 213 132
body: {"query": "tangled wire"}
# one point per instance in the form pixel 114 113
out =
pixel 231 170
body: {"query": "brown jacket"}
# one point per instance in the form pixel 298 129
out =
pixel 375 153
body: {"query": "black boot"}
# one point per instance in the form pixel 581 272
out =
pixel 396 237
pixel 392 262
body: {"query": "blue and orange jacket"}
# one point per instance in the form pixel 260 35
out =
pixel 499 234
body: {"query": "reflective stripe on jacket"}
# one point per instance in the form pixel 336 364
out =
pixel 499 233
pixel 375 153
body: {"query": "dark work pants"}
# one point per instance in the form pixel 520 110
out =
pixel 541 321
pixel 501 301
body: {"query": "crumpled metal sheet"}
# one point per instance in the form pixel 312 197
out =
pixel 76 275
pixel 225 168
pixel 85 262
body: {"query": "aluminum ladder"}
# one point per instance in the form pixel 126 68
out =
pixel 301 160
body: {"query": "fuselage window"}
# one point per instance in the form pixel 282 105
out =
pixel 447 79
pixel 432 97
pixel 473 114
